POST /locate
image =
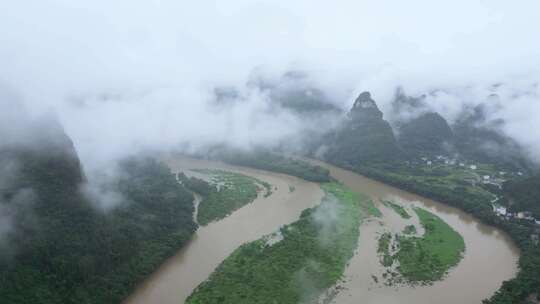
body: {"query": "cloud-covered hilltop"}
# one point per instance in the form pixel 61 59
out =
pixel 126 75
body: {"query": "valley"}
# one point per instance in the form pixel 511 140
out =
pixel 266 250
pixel 269 152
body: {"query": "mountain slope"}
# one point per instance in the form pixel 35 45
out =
pixel 524 194
pixel 57 246
pixel 478 138
pixel 428 134
pixel 364 136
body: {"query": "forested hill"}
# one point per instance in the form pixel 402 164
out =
pixel 426 135
pixel 58 246
pixel 364 136
pixel 361 145
pixel 524 194
pixel 480 139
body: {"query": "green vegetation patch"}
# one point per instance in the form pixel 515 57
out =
pixel 227 192
pixel 383 249
pixel 398 209
pixel 84 255
pixel 409 229
pixel 369 208
pixel 274 162
pixel 310 256
pixel 428 258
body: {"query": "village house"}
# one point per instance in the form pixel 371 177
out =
pixel 526 215
pixel 500 210
pixel 473 167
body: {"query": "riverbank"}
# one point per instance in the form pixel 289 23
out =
pixel 308 257
pixel 488 274
pixel 212 244
pixel 223 193
pixel 476 202
pixel 175 280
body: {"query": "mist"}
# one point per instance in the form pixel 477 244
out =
pixel 128 76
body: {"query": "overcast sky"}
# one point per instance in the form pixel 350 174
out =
pixel 129 73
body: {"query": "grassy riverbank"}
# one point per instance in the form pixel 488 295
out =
pixel 398 209
pixel 309 256
pixel 265 160
pixel 225 193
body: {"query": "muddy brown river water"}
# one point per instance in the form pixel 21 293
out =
pixel 490 256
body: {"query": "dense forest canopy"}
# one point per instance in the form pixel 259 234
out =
pixel 60 248
pixel 524 194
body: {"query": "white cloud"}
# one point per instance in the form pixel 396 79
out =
pixel 125 74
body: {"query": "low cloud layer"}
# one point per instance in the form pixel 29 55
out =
pixel 129 75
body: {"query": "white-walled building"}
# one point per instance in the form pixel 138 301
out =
pixel 500 210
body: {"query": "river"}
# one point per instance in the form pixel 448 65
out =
pixel 174 281
pixel 490 256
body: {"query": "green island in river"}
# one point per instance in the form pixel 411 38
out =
pixel 225 193
pixel 297 263
pixel 398 209
pixel 423 259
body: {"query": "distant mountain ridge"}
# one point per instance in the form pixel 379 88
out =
pixel 365 136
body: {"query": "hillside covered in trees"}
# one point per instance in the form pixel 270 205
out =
pixel 524 194
pixel 57 246
pixel 363 136
pixel 426 135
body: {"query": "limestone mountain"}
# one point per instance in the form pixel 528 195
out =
pixel 364 136
pixel 405 107
pixel 480 138
pixel 427 134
